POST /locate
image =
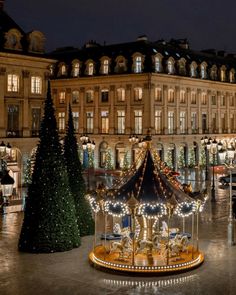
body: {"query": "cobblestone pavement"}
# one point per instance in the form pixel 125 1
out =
pixel 70 273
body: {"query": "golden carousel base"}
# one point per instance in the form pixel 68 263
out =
pixel 145 264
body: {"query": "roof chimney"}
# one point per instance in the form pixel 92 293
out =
pixel 1 4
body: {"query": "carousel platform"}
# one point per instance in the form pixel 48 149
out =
pixel 146 264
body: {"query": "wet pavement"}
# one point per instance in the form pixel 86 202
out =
pixel 70 273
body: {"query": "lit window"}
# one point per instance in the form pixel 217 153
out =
pixel 138 64
pixel 182 96
pixel 232 76
pixel 89 96
pixel 138 122
pixel 105 121
pixel 223 74
pixel 76 69
pixel 170 67
pixel 158 94
pixel 62 97
pixel 120 122
pixel 170 122
pixel 204 98
pixel 193 70
pixel 170 95
pixel 12 83
pixel 193 97
pixel 36 120
pixel 158 122
pixel 89 122
pixel 90 69
pixel 121 94
pixel 138 93
pixel 158 65
pixel 182 122
pixel 203 71
pixel 63 70
pixel 105 66
pixel 76 120
pixel 61 121
pixel 75 96
pixel 214 73
pixel 36 85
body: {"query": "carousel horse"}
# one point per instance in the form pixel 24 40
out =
pixel 164 231
pixel 148 245
pixel 124 246
pixel 117 229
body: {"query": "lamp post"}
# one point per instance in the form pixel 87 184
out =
pixel 88 146
pixel 212 147
pixel 204 142
pixel 231 154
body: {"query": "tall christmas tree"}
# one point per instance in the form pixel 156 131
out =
pixel 76 181
pixel 50 223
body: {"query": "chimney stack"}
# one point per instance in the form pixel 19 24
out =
pixel 1 4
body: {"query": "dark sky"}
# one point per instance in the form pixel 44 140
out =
pixel 205 23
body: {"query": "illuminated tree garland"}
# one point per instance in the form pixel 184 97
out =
pixel 152 211
pixel 116 209
pixel 185 209
pixel 93 203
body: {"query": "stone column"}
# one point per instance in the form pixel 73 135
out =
pixel 96 109
pixel 165 113
pixel 3 127
pixel 82 114
pixel 177 120
pixel 128 121
pixel 112 115
pixel 26 116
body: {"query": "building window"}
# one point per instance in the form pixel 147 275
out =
pixel 171 95
pixel 170 67
pixel 231 100
pixel 90 68
pixel 194 122
pixel 138 93
pixel 232 76
pixel 158 122
pixel 182 122
pixel 138 122
pixel 76 120
pixel 232 122
pixel 193 70
pixel 223 123
pixel 104 95
pixel 203 71
pixel 120 65
pixel 213 123
pixel 75 96
pixel 222 74
pixel 76 69
pixel 158 94
pixel 214 73
pixel 36 121
pixel 89 96
pixel 62 97
pixel 120 122
pixel 105 121
pixel 182 68
pixel 182 96
pixel 89 122
pixel 120 94
pixel 13 120
pixel 222 100
pixel 213 99
pixel 158 65
pixel 193 97
pixel 12 83
pixel 204 98
pixel 105 66
pixel 204 122
pixel 138 64
pixel 170 122
pixel 63 70
pixel 36 85
pixel 61 121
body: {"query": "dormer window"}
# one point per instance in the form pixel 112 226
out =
pixel 90 69
pixel 182 69
pixel 223 74
pixel 158 64
pixel 76 69
pixel 13 38
pixel 63 70
pixel 203 70
pixel 170 66
pixel 232 76
pixel 120 65
pixel 214 73
pixel 36 41
pixel 105 66
pixel 138 64
pixel 193 70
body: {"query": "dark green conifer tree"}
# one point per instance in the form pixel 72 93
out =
pixel 50 223
pixel 76 181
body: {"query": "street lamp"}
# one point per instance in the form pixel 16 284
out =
pixel 88 146
pixel 231 154
pixel 204 142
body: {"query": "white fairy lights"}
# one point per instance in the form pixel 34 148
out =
pixel 185 209
pixel 116 209
pixel 152 211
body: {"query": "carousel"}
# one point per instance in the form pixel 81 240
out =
pixel 148 221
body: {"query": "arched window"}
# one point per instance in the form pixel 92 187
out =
pixel 193 70
pixel 182 68
pixel 76 69
pixel 121 66
pixel 203 67
pixel 170 66
pixel 105 66
pixel 63 70
pixel 223 74
pixel 214 73
pixel 232 76
pixel 158 63
pixel 138 64
pixel 90 69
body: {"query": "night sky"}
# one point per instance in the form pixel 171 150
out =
pixel 205 23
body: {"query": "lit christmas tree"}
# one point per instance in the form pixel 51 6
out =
pixel 181 160
pixel 192 160
pixel 108 160
pixel 28 173
pixel 76 181
pixel 126 162
pixel 50 223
